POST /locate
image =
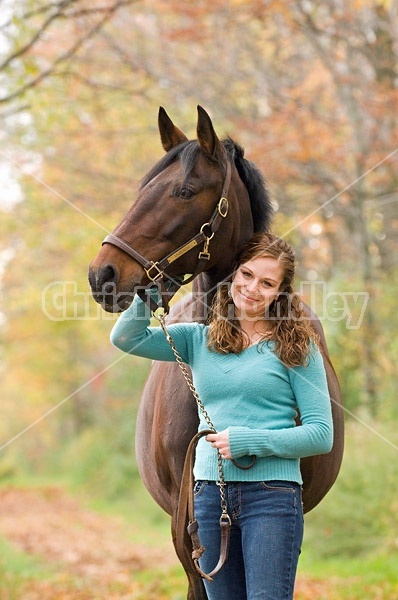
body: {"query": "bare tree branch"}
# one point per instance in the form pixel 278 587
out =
pixel 44 26
pixel 60 10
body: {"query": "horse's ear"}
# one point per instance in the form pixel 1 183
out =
pixel 207 137
pixel 169 134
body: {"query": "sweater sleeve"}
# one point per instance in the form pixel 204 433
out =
pixel 132 334
pixel 313 436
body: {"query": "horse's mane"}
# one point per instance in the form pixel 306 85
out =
pixel 251 176
pixel 255 184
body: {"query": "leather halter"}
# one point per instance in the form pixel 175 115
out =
pixel 155 270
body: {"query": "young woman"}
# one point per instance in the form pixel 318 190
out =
pixel 254 366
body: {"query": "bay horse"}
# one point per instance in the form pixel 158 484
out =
pixel 161 236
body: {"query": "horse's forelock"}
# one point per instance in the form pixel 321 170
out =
pixel 186 152
pixel 189 156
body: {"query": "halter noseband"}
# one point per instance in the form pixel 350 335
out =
pixel 155 270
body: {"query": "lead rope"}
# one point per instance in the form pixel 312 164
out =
pixel 225 519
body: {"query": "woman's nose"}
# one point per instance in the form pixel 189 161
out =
pixel 252 286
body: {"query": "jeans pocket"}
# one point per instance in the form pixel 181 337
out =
pixel 198 487
pixel 282 497
pixel 280 486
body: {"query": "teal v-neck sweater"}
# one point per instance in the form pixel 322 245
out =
pixel 251 393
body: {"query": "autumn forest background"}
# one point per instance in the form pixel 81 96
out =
pixel 310 90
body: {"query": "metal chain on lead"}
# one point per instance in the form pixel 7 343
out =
pixel 221 481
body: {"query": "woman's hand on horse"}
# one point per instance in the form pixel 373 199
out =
pixel 221 442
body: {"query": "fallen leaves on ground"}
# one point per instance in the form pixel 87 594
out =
pixel 90 556
pixel 82 544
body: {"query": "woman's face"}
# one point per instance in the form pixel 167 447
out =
pixel 255 286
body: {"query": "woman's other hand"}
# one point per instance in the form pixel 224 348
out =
pixel 221 442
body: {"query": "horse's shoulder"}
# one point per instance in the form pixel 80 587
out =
pixel 182 311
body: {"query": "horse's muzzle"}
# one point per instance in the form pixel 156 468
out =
pixel 104 288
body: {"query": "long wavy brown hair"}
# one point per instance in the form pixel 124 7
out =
pixel 291 329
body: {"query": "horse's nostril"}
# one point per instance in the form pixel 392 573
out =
pixel 104 280
pixel 107 277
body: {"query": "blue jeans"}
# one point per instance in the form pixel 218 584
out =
pixel 266 536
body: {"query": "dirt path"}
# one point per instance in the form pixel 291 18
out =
pixel 81 544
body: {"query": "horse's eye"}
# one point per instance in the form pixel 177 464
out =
pixel 186 193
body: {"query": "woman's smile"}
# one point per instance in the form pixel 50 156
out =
pixel 249 298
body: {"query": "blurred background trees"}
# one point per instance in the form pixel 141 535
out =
pixel 308 88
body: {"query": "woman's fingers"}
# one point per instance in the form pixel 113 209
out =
pixel 221 442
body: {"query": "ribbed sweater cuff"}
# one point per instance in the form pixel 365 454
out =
pixel 244 441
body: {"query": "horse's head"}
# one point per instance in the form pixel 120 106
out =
pixel 180 222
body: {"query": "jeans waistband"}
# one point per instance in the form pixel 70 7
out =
pixel 267 481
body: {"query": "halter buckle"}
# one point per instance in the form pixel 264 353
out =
pixel 222 207
pixel 158 275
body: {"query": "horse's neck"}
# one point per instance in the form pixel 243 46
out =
pixel 204 288
pixel 205 284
